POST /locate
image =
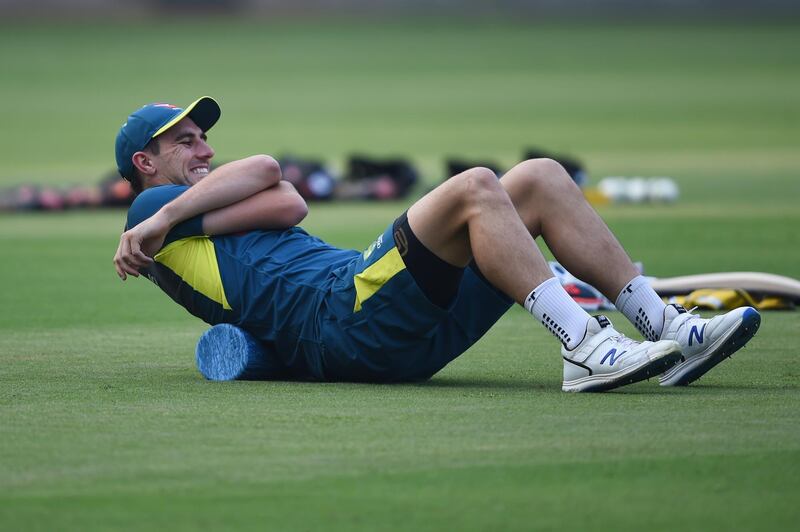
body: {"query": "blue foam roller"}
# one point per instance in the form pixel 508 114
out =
pixel 226 352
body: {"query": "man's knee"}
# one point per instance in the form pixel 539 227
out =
pixel 478 182
pixel 545 174
pixel 479 177
pixel 482 190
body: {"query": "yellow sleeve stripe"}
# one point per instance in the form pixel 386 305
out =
pixel 373 278
pixel 194 260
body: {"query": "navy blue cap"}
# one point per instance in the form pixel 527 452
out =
pixel 152 120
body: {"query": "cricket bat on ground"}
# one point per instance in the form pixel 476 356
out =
pixel 765 284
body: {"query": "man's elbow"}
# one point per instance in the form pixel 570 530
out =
pixel 297 211
pixel 293 208
pixel 266 168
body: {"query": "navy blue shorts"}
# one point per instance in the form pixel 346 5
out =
pixel 377 325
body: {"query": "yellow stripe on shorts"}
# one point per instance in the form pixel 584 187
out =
pixel 194 260
pixel 373 278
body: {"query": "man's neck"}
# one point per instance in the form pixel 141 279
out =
pixel 156 181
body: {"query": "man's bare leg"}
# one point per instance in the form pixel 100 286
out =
pixel 547 203
pixel 471 216
pixel 551 205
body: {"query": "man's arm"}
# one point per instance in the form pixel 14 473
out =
pixel 224 186
pixel 278 207
pixel 243 195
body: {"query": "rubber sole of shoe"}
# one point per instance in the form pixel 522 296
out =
pixel 644 372
pixel 751 321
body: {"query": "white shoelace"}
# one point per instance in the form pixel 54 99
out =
pixel 689 317
pixel 624 341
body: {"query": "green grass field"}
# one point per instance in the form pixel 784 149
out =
pixel 105 424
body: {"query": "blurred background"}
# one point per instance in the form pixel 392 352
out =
pixel 706 93
pixel 669 87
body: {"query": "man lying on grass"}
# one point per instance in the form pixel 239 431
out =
pixel 224 245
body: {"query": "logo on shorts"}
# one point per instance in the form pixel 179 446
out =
pixel 400 241
pixel 372 247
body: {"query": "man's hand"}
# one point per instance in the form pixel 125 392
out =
pixel 138 245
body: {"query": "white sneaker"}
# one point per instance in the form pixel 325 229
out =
pixel 606 359
pixel 705 343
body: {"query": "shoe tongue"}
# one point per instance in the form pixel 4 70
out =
pixel 603 321
pixel 679 308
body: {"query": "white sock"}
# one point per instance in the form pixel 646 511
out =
pixel 642 306
pixel 558 312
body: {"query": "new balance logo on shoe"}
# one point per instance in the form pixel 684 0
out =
pixel 695 335
pixel 613 356
pixel 605 359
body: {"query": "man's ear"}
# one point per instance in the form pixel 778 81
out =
pixel 143 163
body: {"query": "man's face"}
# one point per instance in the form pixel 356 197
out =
pixel 184 154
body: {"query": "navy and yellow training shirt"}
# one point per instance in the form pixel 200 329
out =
pixel 271 283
